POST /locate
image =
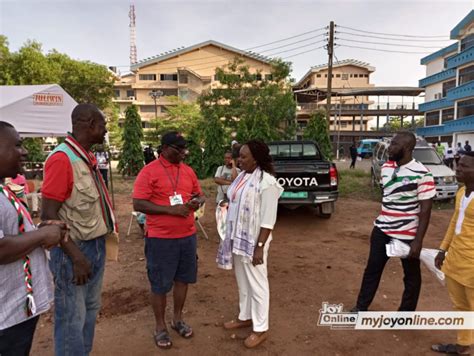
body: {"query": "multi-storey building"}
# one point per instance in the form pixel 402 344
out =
pixel 346 74
pixel 449 83
pixel 183 73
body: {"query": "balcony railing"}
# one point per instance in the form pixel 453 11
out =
pixel 460 59
pixel 438 77
pixel 364 107
pixel 461 92
pixel 464 124
pixel 436 105
pixel 431 130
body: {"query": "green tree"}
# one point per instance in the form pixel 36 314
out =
pixel 395 124
pixel 317 130
pixel 254 106
pixel 214 145
pixel 34 146
pixel 113 127
pixel 131 159
pixel 85 81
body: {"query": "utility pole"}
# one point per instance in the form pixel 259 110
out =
pixel 155 95
pixel 329 86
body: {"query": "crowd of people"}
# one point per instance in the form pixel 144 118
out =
pixel 78 227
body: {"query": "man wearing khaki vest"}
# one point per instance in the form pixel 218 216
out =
pixel 74 192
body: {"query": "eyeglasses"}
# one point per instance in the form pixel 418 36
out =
pixel 395 171
pixel 179 149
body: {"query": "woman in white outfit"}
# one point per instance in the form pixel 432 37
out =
pixel 253 201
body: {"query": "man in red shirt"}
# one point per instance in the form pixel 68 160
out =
pixel 168 192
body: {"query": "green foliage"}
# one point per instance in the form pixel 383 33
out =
pixel 85 81
pixel 395 124
pixel 34 146
pixel 317 130
pixel 255 107
pixel 131 159
pixel 113 128
pixel 214 145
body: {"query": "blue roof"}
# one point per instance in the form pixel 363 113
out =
pixel 455 32
pixel 440 53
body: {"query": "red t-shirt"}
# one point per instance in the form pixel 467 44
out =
pixel 155 183
pixel 59 177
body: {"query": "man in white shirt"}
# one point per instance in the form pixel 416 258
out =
pixel 224 176
pixel 449 156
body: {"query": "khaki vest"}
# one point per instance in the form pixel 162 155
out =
pixel 82 211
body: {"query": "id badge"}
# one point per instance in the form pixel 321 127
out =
pixel 176 199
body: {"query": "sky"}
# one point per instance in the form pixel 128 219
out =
pixel 98 30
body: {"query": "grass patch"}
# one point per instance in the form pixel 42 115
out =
pixel 355 183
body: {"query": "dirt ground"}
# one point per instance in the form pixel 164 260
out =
pixel 311 260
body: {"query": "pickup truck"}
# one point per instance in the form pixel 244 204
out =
pixel 307 177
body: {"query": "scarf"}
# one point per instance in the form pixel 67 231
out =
pixel 30 306
pixel 105 203
pixel 246 227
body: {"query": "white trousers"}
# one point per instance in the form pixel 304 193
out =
pixel 254 290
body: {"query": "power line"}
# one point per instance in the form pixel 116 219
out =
pixel 286 45
pixel 391 39
pixel 391 34
pixel 310 50
pixel 384 50
pixel 386 44
pixel 288 38
pixel 292 49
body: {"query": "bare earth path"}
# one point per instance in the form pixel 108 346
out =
pixel 312 260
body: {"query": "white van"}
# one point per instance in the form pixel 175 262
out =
pixel 444 177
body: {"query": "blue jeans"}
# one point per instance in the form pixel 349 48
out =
pixel 76 307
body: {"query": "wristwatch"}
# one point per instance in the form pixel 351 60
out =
pixel 260 244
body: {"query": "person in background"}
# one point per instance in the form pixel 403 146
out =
pixel 25 191
pixel 149 154
pixel 102 158
pixel 459 152
pixel 253 202
pixel 456 255
pixel 449 156
pixel 467 147
pixel 224 176
pixel 440 149
pixel 408 191
pixel 353 152
pixel 27 284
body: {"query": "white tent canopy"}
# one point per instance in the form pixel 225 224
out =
pixel 37 110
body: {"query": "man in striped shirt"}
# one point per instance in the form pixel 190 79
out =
pixel 408 189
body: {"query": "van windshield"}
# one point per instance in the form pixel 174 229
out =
pixel 426 156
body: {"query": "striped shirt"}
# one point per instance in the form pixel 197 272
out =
pixel 403 188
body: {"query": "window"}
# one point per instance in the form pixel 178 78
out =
pixel 446 60
pixel 465 108
pixel 146 124
pixel 447 115
pixel 268 76
pixel 338 75
pixel 294 150
pixel 147 76
pixel 448 85
pixel 318 75
pixel 172 77
pixel 170 92
pixel 130 92
pixel 343 124
pixel 183 79
pixel 466 75
pixel 345 76
pixel 325 75
pixel 351 75
pixel 432 118
pixel 366 75
pixel 467 42
pixel 117 93
pixel 147 108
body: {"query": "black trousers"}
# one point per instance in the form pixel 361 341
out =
pixel 353 163
pixel 17 339
pixel 373 272
pixel 105 176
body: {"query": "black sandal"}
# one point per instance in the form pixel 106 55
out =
pixel 450 349
pixel 182 329
pixel 162 339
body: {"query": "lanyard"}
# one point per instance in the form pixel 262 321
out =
pixel 30 306
pixel 174 184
